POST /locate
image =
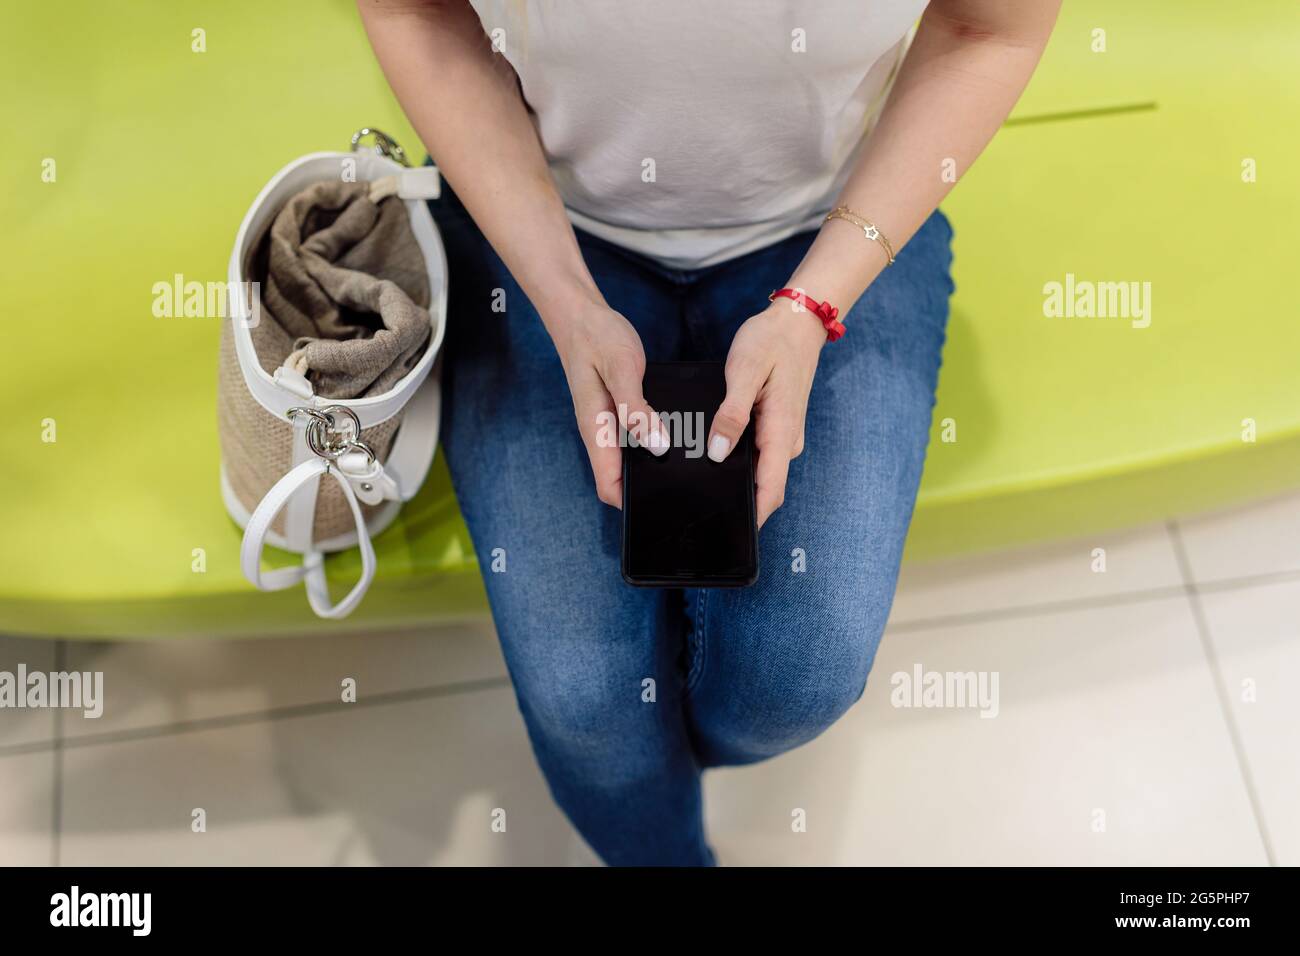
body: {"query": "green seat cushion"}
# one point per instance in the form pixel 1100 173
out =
pixel 1125 166
pixel 1062 425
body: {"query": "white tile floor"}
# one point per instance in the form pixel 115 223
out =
pixel 1146 714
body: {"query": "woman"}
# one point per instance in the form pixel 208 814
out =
pixel 631 183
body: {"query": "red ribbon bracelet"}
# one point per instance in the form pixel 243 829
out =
pixel 824 312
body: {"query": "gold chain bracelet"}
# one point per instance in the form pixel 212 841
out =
pixel 869 228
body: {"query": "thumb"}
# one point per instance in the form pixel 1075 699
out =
pixel 635 414
pixel 732 417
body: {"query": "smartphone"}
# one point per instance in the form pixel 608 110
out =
pixel 688 521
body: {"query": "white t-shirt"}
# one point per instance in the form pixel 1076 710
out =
pixel 697 130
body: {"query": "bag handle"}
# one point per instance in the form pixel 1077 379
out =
pixel 312 569
pixel 416 443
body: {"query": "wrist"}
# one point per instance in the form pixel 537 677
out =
pixel 829 288
pixel 580 325
pixel 833 270
pixel 808 315
pixel 799 328
pixel 562 305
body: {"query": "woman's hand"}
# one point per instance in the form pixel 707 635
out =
pixel 604 363
pixel 770 372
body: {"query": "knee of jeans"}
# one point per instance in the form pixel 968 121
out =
pixel 813 667
pixel 585 713
pixel 569 713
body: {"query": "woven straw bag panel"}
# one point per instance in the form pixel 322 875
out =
pixel 257 449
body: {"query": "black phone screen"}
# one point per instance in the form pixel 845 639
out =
pixel 688 521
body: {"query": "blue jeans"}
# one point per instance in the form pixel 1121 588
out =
pixel 628 693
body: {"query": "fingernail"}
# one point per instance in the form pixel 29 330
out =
pixel 719 445
pixel 659 442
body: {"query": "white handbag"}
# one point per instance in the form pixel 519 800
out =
pixel 291 445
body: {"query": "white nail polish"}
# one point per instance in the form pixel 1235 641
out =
pixel 659 442
pixel 719 445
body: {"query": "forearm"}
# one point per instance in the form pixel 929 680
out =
pixel 464 102
pixel 967 67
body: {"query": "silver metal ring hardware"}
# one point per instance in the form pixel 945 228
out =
pixel 333 431
pixel 311 413
pixel 384 144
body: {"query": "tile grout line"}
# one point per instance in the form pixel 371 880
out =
pixel 1247 581
pixel 315 709
pixel 1114 599
pixel 1118 598
pixel 56 796
pixel 1220 685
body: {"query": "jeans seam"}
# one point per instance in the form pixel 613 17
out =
pixel 700 642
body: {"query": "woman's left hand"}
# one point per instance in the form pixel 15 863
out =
pixel 769 371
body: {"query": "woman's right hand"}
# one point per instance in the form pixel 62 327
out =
pixel 604 363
